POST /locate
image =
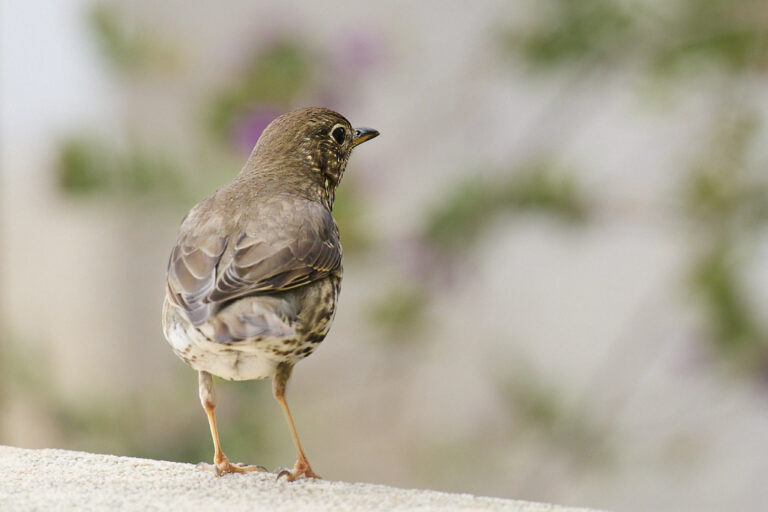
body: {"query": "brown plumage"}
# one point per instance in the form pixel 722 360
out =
pixel 254 276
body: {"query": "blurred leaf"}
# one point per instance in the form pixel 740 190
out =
pixel 585 29
pixel 728 202
pixel 23 364
pixel 143 172
pixel 399 311
pixel 170 425
pixel 462 214
pixel 729 34
pixel 274 77
pixel 543 189
pixel 665 38
pixel 733 324
pixel 720 190
pixel 349 212
pixel 472 204
pixel 125 45
pixel 81 167
pixel 88 166
pixel 538 406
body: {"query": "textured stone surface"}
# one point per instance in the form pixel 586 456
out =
pixel 67 480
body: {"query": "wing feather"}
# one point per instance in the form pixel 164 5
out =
pixel 207 271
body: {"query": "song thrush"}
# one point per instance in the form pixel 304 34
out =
pixel 254 276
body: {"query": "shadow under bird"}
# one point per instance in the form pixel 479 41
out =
pixel 254 277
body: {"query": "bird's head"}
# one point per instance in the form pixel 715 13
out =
pixel 311 143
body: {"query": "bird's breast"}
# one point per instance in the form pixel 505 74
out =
pixel 257 358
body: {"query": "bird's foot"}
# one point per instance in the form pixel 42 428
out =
pixel 223 466
pixel 301 468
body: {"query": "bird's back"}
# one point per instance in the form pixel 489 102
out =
pixel 254 282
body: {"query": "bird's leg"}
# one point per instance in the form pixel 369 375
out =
pixel 302 464
pixel 221 464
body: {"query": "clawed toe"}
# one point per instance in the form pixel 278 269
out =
pixel 250 467
pixel 223 467
pixel 300 469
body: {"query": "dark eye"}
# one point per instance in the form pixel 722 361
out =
pixel 339 134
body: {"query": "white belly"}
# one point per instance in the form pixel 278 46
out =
pixel 237 361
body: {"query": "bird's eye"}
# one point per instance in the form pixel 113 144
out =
pixel 339 134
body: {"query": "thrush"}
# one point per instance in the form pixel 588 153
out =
pixel 255 274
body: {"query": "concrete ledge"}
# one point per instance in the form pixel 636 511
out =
pixel 64 480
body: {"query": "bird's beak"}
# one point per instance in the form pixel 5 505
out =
pixel 363 134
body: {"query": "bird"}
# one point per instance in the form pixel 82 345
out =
pixel 255 273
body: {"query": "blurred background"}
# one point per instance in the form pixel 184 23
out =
pixel 556 254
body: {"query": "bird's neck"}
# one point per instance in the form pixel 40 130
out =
pixel 294 177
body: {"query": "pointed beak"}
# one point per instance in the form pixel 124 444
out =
pixel 363 134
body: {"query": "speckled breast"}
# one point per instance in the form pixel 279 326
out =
pixel 314 321
pixel 257 358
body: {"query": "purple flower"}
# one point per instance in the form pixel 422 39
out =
pixel 247 128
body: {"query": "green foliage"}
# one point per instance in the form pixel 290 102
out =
pixel 399 311
pixel 470 205
pixel 585 29
pixel 728 203
pixel 349 212
pixel 536 404
pixel 461 213
pixel 724 195
pixel 665 38
pixel 729 34
pixel 733 324
pixel 539 408
pixel 275 76
pixel 169 424
pixel 125 45
pixel 721 191
pixel 88 166
pixel 81 166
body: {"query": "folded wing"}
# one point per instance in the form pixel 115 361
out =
pixel 208 269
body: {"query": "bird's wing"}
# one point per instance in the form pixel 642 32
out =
pixel 192 273
pixel 261 266
pixel 272 252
